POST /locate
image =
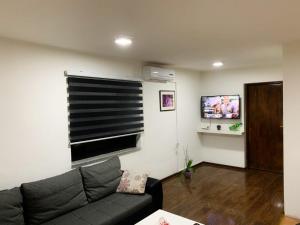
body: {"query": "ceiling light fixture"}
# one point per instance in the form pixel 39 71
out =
pixel 218 64
pixel 123 41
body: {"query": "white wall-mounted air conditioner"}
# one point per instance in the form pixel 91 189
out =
pixel 158 74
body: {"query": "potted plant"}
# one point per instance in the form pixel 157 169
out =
pixel 188 170
pixel 236 126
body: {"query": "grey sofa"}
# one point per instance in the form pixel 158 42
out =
pixel 85 196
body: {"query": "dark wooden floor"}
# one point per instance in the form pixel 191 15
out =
pixel 219 195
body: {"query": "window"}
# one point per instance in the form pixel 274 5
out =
pixel 105 115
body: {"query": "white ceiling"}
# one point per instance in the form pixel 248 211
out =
pixel 184 33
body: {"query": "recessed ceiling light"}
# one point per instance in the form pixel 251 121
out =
pixel 155 72
pixel 218 64
pixel 123 41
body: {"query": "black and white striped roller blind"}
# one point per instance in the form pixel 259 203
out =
pixel 103 108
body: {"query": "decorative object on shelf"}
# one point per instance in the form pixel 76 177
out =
pixel 167 100
pixel 235 127
pixel 188 171
pixel 219 127
pixel 205 127
pixel 163 221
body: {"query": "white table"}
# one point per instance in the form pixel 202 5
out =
pixel 173 219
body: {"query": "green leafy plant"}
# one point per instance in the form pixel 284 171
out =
pixel 235 127
pixel 187 172
pixel 188 166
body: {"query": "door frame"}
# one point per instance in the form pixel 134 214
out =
pixel 246 85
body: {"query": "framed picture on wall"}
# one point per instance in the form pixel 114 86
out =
pixel 167 100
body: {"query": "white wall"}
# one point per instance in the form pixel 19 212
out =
pixel 291 96
pixel 160 154
pixel 33 115
pixel 188 95
pixel 230 150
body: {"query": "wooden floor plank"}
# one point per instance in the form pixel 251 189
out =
pixel 219 195
pixel 289 221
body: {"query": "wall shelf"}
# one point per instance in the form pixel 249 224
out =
pixel 221 132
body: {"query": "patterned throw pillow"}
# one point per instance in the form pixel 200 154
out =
pixel 133 183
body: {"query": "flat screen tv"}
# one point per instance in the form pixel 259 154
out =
pixel 220 107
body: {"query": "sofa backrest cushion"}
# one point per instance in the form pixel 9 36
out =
pixel 11 207
pixel 101 179
pixel 52 197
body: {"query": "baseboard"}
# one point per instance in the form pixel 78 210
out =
pixel 204 163
pixel 294 218
pixel 179 172
pixel 222 165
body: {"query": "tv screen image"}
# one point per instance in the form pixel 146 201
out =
pixel 220 107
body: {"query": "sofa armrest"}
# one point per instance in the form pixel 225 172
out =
pixel 154 188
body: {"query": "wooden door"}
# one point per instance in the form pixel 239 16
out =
pixel 264 126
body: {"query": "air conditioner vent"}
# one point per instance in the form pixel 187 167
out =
pixel 158 74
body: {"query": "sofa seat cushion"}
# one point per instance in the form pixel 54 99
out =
pixel 101 179
pixel 11 207
pixel 110 210
pixel 67 219
pixel 52 197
